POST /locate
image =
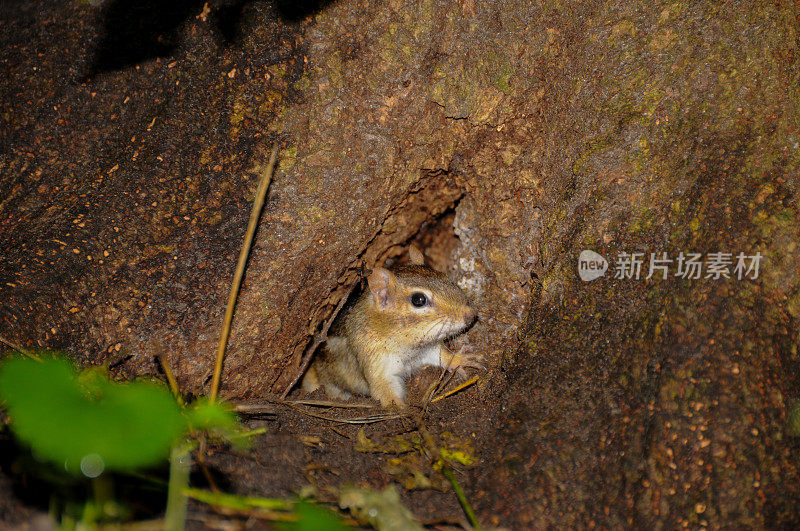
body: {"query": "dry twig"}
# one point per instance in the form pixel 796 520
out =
pixel 456 389
pixel 17 347
pixel 255 214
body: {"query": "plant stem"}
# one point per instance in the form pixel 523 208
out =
pixel 447 472
pixel 102 490
pixel 180 463
pixel 255 214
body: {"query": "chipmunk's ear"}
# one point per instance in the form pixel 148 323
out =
pixel 381 284
pixel 415 255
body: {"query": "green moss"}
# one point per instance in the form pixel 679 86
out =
pixel 288 158
pixel 694 225
pixel 238 112
pixel 207 156
pixel 277 70
pixel 641 223
pixel 272 99
pixel 582 165
pixel 793 307
pixel 303 83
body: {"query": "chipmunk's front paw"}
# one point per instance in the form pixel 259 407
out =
pixel 463 360
pixel 389 392
pixel 396 404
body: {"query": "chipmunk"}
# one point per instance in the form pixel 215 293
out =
pixel 396 326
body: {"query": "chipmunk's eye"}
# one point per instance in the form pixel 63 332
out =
pixel 419 299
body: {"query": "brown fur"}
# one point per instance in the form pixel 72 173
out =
pixel 385 338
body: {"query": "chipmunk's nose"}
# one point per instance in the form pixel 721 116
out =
pixel 470 316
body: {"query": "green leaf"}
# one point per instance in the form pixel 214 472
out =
pixel 88 424
pixel 210 416
pixel 219 419
pixel 239 503
pixel 312 517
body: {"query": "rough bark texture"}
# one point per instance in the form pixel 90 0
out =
pixel 540 129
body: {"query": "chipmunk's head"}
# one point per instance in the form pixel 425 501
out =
pixel 419 303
